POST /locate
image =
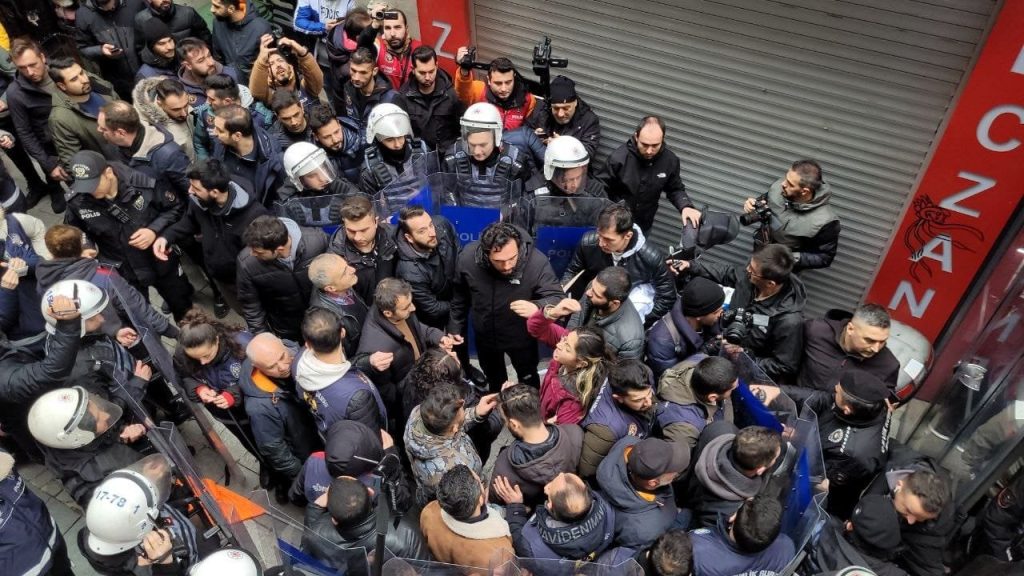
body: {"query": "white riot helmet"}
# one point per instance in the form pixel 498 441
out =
pixel 126 505
pixel 228 562
pixel 88 298
pixel 304 159
pixel 69 418
pixel 563 154
pixel 387 121
pixel 481 117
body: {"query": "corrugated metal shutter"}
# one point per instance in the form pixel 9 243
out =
pixel 749 86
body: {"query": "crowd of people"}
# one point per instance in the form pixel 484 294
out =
pixel 267 161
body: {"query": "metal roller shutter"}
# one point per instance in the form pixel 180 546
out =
pixel 748 86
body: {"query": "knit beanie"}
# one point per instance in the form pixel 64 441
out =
pixel 153 31
pixel 701 296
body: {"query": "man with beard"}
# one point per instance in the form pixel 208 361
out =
pixel 237 35
pixel 606 306
pixel 366 88
pixel 182 19
pixel 291 126
pixel 492 273
pixel 196 66
pixel 219 212
pixel 148 149
pixel 623 406
pixel 503 89
pixel 366 243
pixel 249 152
pixel 221 92
pixel 274 71
pixel 392 149
pixel 106 35
pixel 394 47
pixel 75 109
pixel 566 114
pixel 641 169
pixel 159 57
pixel 481 156
pixel 429 98
pixel 163 102
pixel 835 344
pixel 428 247
pixel 339 137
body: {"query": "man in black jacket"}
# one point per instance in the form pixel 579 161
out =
pixel 106 35
pixel 429 98
pixel 344 534
pixel 273 275
pixel 182 19
pixel 334 284
pixel 366 243
pixel 641 169
pixel 566 114
pixel 124 211
pixel 146 148
pixel 249 151
pixel 427 251
pixel 795 212
pixel 833 345
pixel 619 242
pixel 771 299
pixel 491 274
pixel 236 35
pixel 219 211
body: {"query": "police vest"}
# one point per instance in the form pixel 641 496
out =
pixel 383 172
pixel 507 166
pixel 330 404
pixel 606 412
pixel 316 479
pixel 17 244
pixel 226 373
pixel 563 535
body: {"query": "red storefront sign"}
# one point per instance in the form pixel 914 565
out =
pixel 968 193
pixel 444 24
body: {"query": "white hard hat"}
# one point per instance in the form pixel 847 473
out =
pixel 88 298
pixel 304 158
pixel 564 152
pixel 228 562
pixel 387 121
pixel 69 418
pixel 482 116
pixel 125 506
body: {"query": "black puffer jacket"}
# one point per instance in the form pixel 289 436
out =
pixel 435 116
pixel 584 125
pixel 644 262
pixel 30 108
pixel 432 276
pixel 777 348
pixel 347 549
pixel 370 268
pixel 641 182
pixel 825 361
pixel 183 21
pixel 97 27
pixel 478 287
pixel 273 295
pixel 22 378
pixel 221 229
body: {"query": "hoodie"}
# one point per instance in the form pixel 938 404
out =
pixel 810 229
pixel 639 519
pixel 725 488
pixel 431 455
pixel 194 86
pixel 144 99
pixel 681 415
pixel 531 466
pixel 336 392
pixel 238 43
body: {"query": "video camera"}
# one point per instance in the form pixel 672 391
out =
pixel 542 64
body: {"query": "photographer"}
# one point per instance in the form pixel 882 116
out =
pixel 275 69
pixel 795 212
pixel 393 45
pixel 765 318
pixel 503 88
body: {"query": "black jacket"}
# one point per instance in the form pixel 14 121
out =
pixel 182 19
pixel 273 295
pixel 777 348
pixel 237 44
pixel 825 361
pixel 435 116
pixel 352 317
pixel 641 182
pixel 22 378
pixel 380 335
pixel 141 202
pixel 221 230
pixel 644 262
pixel 432 276
pixel 478 287
pixel 97 27
pixel 156 154
pixel 584 125
pixel 370 268
pixel 346 550
pixel 30 112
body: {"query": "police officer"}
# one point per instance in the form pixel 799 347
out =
pixel 565 171
pixel 314 191
pixel 392 150
pixel 124 211
pixel 481 156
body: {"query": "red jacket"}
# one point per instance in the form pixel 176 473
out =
pixel 396 68
pixel 555 399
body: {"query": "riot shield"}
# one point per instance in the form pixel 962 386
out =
pixel 469 205
pixel 410 187
pixel 558 223
pixel 313 211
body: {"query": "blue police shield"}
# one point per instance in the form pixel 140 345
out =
pixel 410 188
pixel 471 205
pixel 558 223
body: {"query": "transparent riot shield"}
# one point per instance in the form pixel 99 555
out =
pixel 410 187
pixel 558 223
pixel 470 205
pixel 313 211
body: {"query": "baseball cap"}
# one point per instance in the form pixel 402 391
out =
pixel 85 168
pixel 652 457
pixel 863 386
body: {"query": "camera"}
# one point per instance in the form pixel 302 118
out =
pixel 285 50
pixel 736 321
pixel 762 212
pixel 386 15
pixel 542 60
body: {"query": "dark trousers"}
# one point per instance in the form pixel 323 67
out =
pixel 524 361
pixel 170 282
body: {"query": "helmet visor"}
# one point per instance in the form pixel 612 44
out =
pixel 317 176
pixel 96 417
pixel 156 468
pixel 570 180
pixel 479 142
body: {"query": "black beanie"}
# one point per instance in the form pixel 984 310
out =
pixel 562 90
pixel 153 31
pixel 701 296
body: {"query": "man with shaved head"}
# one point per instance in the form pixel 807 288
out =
pixel 281 425
pixel 333 281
